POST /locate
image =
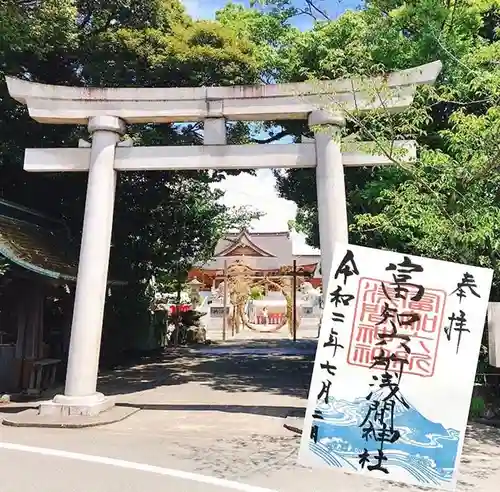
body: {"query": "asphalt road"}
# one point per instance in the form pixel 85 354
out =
pixel 209 423
pixel 117 461
pixel 60 471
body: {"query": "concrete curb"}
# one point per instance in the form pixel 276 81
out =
pixel 30 418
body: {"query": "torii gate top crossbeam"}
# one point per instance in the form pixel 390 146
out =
pixel 75 105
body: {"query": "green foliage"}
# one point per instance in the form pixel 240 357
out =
pixel 269 33
pixel 317 9
pixel 477 407
pixel 256 293
pixel 445 205
pixel 164 221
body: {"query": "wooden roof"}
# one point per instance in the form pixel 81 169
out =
pixel 37 243
pixel 243 245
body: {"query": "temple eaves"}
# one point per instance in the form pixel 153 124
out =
pixel 244 240
pixel 38 244
pixel 75 105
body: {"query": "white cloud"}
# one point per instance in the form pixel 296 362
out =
pixel 259 193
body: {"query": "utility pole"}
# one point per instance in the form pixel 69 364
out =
pixel 294 300
pixel 224 304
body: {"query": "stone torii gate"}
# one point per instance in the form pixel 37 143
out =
pixel 108 111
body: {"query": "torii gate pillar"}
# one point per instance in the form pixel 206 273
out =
pixel 80 395
pixel 330 186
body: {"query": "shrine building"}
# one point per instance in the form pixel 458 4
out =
pixel 267 253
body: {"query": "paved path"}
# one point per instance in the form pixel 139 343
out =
pixel 211 415
pixel 308 329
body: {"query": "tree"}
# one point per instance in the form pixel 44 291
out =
pixel 316 9
pixel 271 34
pixel 446 204
pixel 159 217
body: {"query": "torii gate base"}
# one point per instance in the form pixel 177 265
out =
pixel 107 111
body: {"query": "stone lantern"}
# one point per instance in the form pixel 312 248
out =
pixel 194 291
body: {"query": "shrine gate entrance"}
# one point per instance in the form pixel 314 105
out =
pixel 106 112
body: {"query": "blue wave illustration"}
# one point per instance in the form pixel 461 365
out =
pixel 425 450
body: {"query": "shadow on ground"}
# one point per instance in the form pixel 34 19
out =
pixel 269 411
pixel 478 434
pixel 7 408
pixel 231 368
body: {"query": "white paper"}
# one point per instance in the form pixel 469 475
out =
pixel 423 410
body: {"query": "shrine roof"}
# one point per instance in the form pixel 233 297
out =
pixel 37 243
pixel 276 246
pixel 242 244
pixel 261 251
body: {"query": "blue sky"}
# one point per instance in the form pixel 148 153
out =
pixel 259 191
pixel 205 9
